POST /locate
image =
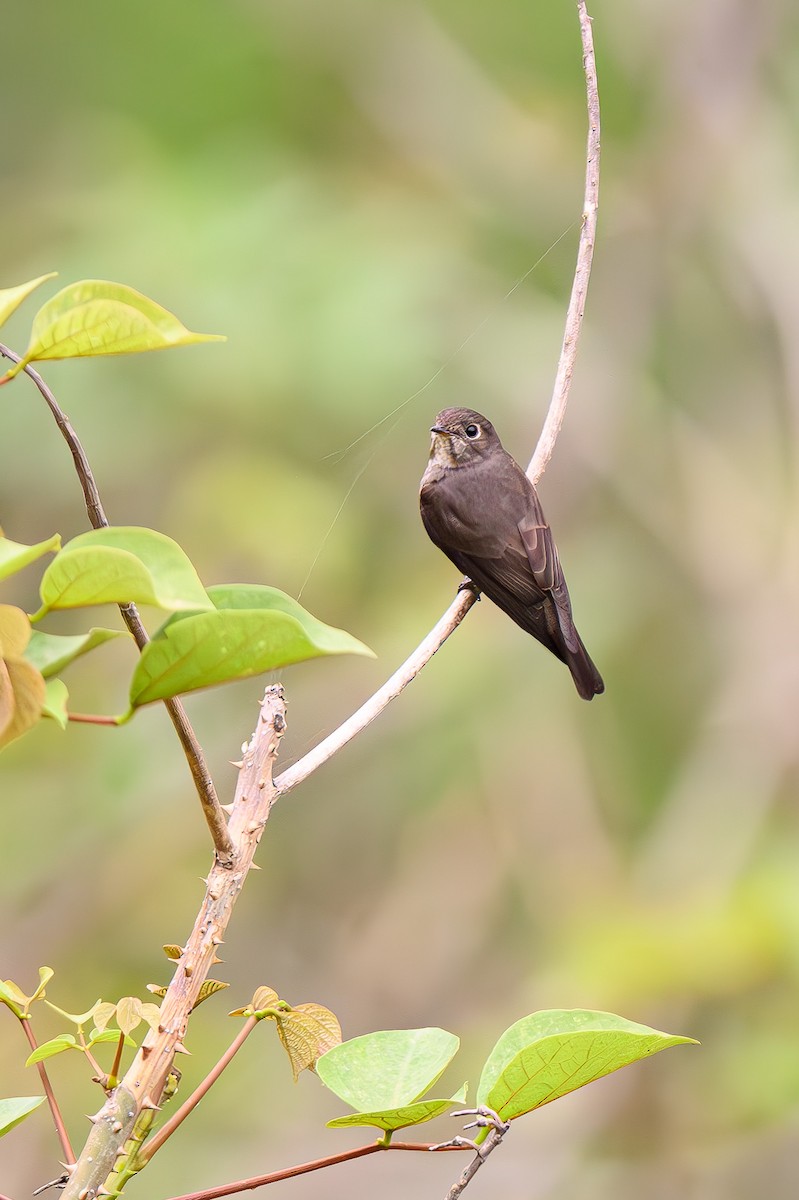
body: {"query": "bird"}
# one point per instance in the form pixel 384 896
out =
pixel 479 507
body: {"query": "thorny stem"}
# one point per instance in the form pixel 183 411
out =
pixel 143 1084
pixel 58 1121
pixel 166 1131
pixel 317 1164
pixel 212 810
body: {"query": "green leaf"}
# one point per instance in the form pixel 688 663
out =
pixel 98 1036
pixel 391 1119
pixel 13 997
pixel 16 1109
pixel 79 1019
pixel 54 704
pixel 550 1053
pixel 94 317
pixel 389 1069
pixel 11 298
pixel 14 555
pixel 203 649
pixel 17 1000
pixel 56 1045
pixel 254 596
pixel 50 653
pixel 120 565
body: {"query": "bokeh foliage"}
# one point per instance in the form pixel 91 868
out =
pixel 350 191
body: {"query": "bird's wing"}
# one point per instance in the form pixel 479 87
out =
pixel 542 554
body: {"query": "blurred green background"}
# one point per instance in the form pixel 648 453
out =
pixel 350 191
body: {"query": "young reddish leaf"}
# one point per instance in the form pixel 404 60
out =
pixel 95 317
pixel 29 696
pixel 305 1036
pixel 11 298
pixel 103 1012
pixel 265 997
pixel 129 1013
pixel 15 631
pixel 328 1034
pixel 6 698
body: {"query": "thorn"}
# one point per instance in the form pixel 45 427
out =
pixel 181 1049
pixel 148 1103
pixel 238 765
pixel 146 1051
pixel 103 1191
pixel 216 940
pixel 216 960
pixel 116 1127
pixel 254 867
pixel 68 1167
pixel 85 1193
pixel 92 1117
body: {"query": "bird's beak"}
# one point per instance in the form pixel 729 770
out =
pixel 438 429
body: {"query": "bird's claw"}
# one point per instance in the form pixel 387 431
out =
pixel 466 585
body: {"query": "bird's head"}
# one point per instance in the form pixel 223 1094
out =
pixel 461 436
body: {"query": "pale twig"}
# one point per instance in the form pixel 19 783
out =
pixel 582 273
pixel 486 1118
pixel 317 1164
pixel 212 810
pixel 144 1081
pixel 374 706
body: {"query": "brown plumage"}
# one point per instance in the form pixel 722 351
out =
pixel 479 507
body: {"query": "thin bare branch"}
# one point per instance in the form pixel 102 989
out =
pixel 585 255
pixel 55 1112
pixel 373 707
pixel 144 1082
pixel 176 1120
pixel 470 1170
pixel 317 1164
pixel 212 810
pixel 543 451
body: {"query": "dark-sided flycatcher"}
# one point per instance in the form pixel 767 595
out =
pixel 479 507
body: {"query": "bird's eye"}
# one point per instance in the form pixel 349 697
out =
pixel 472 431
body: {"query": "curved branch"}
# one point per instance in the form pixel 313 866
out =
pixel 582 273
pixel 543 451
pixel 212 809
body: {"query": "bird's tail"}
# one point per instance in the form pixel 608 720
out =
pixel 587 680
